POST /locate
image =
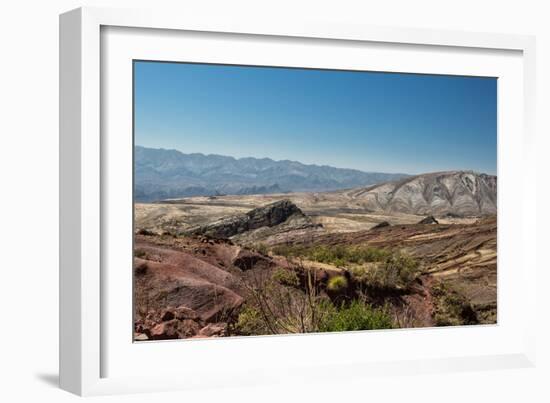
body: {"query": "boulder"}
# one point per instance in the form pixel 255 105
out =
pixel 175 329
pixel 214 330
pixel 165 330
pixel 428 220
pixel 381 225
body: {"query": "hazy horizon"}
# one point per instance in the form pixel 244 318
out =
pixel 319 165
pixel 367 121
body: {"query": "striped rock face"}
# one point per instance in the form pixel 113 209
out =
pixel 461 192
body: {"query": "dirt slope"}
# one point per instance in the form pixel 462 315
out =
pixel 463 256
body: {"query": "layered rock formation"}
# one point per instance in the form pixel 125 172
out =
pixel 462 193
pixel 281 216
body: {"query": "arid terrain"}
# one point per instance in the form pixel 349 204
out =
pixel 416 252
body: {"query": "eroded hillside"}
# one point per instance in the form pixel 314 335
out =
pixel 452 197
pixel 272 270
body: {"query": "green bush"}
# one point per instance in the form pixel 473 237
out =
pixel 374 267
pixel 397 271
pixel 320 316
pixel 337 255
pixel 286 277
pixel 357 316
pixel 360 273
pixel 337 283
pixel 250 322
pixel 289 250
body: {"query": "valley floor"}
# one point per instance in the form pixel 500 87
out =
pixel 335 211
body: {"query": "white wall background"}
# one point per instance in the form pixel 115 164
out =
pixel 29 201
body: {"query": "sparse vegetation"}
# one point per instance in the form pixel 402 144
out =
pixel 357 316
pixel 337 255
pixel 261 248
pixel 397 271
pixel 373 267
pixel 281 308
pixel 286 277
pixel 451 307
pixel 280 304
pixel 250 322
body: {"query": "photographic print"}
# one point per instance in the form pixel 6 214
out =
pixel 274 200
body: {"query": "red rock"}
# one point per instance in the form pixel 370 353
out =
pixel 214 330
pixel 188 328
pixel 183 280
pixel 175 329
pixel 183 312
pixel 164 331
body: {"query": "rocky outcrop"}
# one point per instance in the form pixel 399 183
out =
pixel 271 215
pixel 175 278
pixel 190 287
pixel 381 225
pixel 176 323
pixel 429 220
pixel 213 330
pixel 296 227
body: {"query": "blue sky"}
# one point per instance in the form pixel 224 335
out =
pixel 370 121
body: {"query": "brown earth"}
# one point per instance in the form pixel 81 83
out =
pixel 195 279
pixel 463 256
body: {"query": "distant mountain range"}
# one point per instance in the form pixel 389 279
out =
pixel 162 174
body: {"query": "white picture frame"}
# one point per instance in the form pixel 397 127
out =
pixel 93 351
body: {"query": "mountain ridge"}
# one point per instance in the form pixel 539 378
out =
pixel 162 174
pixel 447 192
pixel 198 154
